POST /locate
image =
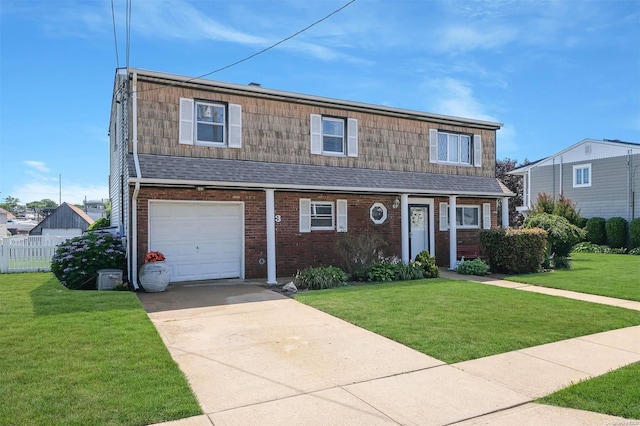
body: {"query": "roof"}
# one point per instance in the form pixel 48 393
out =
pixel 213 172
pixel 3 211
pixel 253 90
pixel 63 217
pixel 610 148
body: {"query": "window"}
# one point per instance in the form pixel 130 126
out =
pixel 319 215
pixel 581 175
pixel 332 135
pixel 455 148
pixel 466 216
pixel 378 213
pixel 210 123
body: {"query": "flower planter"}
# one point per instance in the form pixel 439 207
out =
pixel 154 276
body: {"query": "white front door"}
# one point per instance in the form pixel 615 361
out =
pixel 200 240
pixel 418 229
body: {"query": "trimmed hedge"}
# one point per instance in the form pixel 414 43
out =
pixel 514 251
pixel 634 233
pixel 616 228
pixel 562 235
pixel 596 232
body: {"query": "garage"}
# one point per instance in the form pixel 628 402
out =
pixel 200 240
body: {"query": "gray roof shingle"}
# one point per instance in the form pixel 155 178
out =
pixel 162 169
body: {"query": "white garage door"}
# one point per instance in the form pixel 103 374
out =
pixel 199 240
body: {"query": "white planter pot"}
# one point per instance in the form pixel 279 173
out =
pixel 154 276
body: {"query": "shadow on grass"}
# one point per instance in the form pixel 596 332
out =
pixel 51 298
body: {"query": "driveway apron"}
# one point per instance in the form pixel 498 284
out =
pixel 253 356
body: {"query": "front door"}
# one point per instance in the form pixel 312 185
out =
pixel 418 229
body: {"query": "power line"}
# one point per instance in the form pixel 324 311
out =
pixel 115 37
pixel 250 56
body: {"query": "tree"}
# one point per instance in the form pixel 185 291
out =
pixel 12 205
pixel 514 183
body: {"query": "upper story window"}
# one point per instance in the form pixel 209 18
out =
pixel 581 175
pixel 210 123
pixel 455 148
pixel 332 135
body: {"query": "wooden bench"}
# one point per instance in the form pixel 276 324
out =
pixel 468 251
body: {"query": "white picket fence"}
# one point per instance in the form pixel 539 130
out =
pixel 27 253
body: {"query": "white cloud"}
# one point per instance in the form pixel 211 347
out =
pixel 37 165
pixel 465 38
pixel 72 192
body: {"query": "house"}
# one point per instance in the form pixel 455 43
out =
pixel 601 176
pixel 231 180
pixel 4 231
pixel 66 220
pixel 95 209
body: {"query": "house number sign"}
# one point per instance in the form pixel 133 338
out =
pixel 278 218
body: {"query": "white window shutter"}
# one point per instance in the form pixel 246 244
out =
pixel 486 216
pixel 305 215
pixel 433 145
pixel 235 126
pixel 352 137
pixel 444 223
pixel 477 151
pixel 341 215
pixel 316 134
pixel 186 121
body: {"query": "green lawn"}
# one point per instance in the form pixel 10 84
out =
pixel 83 358
pixel 613 275
pixel 459 320
pixel 616 393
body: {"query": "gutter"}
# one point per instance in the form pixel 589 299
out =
pixel 134 199
pixel 311 188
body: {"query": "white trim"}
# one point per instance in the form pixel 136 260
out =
pixel 453 235
pixel 235 126
pixel 304 218
pixel 186 125
pixel 443 217
pixel 352 137
pixel 477 151
pixel 404 226
pixel 315 130
pixel 433 145
pixel 271 236
pixel 486 215
pixel 384 213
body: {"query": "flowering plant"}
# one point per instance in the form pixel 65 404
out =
pixel 154 256
pixel 77 261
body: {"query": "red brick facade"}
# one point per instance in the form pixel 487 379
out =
pixel 296 250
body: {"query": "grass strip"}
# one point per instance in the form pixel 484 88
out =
pixel 616 393
pixel 83 357
pixel 459 320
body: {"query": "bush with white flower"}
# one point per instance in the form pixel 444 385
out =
pixel 77 261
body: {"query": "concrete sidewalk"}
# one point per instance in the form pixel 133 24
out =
pixel 254 357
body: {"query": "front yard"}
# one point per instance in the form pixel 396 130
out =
pixel 83 358
pixel 613 275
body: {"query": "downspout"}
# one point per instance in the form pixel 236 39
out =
pixel 133 259
pixel 560 177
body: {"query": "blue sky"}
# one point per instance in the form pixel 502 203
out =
pixel 554 72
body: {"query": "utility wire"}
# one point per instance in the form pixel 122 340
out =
pixel 250 56
pixel 115 37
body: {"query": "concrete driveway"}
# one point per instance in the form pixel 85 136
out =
pixel 255 357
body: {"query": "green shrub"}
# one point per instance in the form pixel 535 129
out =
pixel 360 275
pixel 560 262
pixel 616 228
pixel 561 235
pixel 103 222
pixel 634 233
pixel 635 251
pixel 514 251
pixel 544 204
pixel 428 264
pixel 409 271
pixel 358 250
pixel 319 278
pixel 587 247
pixel 596 232
pixel 382 271
pixel 77 261
pixel 473 267
pixel 566 208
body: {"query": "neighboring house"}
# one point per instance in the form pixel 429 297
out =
pixel 601 176
pixel 95 209
pixel 232 180
pixel 3 223
pixel 66 220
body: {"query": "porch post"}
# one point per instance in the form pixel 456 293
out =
pixel 404 226
pixel 505 212
pixel 271 236
pixel 453 237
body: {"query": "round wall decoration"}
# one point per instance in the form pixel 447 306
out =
pixel 378 213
